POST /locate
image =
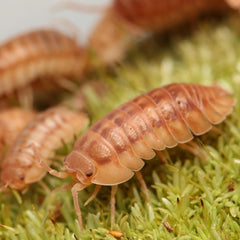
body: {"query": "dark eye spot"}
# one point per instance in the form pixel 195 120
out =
pixel 178 102
pixel 22 178
pixel 89 174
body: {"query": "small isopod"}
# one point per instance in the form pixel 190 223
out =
pixel 39 54
pixel 125 20
pixel 45 133
pixel 112 149
pixel 12 121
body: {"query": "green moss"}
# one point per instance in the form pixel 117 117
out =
pixel 197 199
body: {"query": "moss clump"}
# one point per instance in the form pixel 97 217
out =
pixel 190 198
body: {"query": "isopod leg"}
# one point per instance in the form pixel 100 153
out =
pixel 193 148
pixel 218 131
pixel 94 194
pixel 44 186
pixel 45 166
pixel 66 84
pixel 77 187
pixel 112 204
pixel 66 186
pixel 25 97
pixel 163 158
pixel 143 185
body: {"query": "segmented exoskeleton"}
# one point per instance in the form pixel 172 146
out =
pixel 112 149
pixel 45 133
pixel 39 54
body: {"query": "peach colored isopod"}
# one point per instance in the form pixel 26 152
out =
pixel 112 149
pixel 125 20
pixel 39 54
pixel 45 133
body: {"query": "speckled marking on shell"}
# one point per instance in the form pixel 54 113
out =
pixel 113 148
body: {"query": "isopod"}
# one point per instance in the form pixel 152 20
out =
pixel 125 20
pixel 39 54
pixel 112 149
pixel 45 133
pixel 12 121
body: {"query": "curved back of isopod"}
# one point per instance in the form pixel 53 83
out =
pixel 111 149
pixel 38 54
pixel 45 133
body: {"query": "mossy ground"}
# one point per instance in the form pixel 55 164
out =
pixel 191 198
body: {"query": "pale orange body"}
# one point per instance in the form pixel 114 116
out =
pixel 111 150
pixel 45 133
pixel 39 54
pixel 127 19
pixel 12 121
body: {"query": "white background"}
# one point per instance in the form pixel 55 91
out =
pixel 19 16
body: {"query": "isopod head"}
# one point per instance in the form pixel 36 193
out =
pixel 81 168
pixel 16 181
pixel 17 177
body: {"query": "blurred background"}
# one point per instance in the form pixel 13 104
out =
pixel 19 16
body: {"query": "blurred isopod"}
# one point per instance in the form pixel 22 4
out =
pixel 40 54
pixel 45 133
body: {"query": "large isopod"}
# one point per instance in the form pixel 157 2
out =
pixel 45 133
pixel 39 54
pixel 112 149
